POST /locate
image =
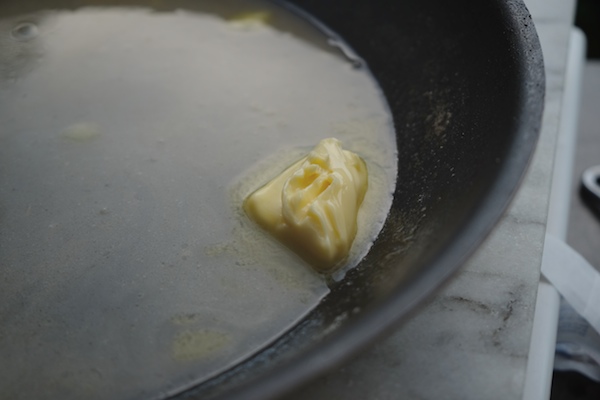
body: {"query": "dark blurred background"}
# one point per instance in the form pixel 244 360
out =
pixel 584 226
pixel 587 17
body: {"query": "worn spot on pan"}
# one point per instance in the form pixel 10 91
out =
pixel 439 120
pixel 439 117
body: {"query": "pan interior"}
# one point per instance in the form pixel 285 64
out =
pixel 129 136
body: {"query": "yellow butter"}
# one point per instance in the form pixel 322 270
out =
pixel 250 20
pixel 312 206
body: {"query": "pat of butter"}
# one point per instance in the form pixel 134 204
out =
pixel 312 206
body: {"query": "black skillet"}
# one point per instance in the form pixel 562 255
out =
pixel 481 63
pixel 465 84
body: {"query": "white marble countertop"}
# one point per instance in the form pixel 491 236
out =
pixel 472 340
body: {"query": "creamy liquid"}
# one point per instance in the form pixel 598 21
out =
pixel 128 140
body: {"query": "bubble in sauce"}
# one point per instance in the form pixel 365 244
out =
pixel 24 31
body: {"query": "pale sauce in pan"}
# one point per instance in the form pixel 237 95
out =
pixel 128 138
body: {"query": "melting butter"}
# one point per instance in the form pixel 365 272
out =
pixel 312 206
pixel 81 132
pixel 250 20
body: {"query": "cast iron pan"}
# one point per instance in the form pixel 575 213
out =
pixel 465 84
pixel 479 62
